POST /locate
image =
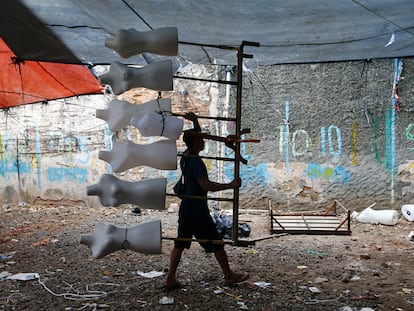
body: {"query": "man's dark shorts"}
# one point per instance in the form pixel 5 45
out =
pixel 204 230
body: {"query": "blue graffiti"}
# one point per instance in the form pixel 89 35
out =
pixel 38 153
pixel 338 138
pixel 337 173
pixel 7 166
pixel 248 173
pixel 69 174
pixel 173 176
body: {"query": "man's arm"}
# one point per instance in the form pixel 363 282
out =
pixel 209 185
pixel 193 117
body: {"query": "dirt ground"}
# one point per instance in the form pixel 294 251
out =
pixel 371 269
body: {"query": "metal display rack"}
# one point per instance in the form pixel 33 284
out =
pixel 237 119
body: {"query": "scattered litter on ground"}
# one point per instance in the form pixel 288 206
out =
pixel 410 301
pixel 406 291
pixel 7 256
pixel 242 305
pixel 23 276
pixel 364 297
pixel 224 225
pixel 67 269
pixel 411 236
pixel 167 300
pixel 262 284
pixel 320 280
pixel 151 274
pixel 42 242
pixel 314 289
pixel 314 301
pixel 4 275
pixel 252 251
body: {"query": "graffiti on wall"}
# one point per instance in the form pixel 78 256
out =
pixel 298 143
pixel 75 148
pixel 292 145
pixel 75 151
pixel 250 174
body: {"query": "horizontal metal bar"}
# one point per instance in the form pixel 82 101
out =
pixel 188 196
pixel 313 232
pixel 217 46
pixel 250 43
pixel 206 80
pixel 193 240
pixel 212 158
pixel 205 117
pixel 243 243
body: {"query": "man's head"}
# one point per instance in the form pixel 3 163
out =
pixel 193 141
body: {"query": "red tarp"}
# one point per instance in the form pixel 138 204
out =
pixel 30 81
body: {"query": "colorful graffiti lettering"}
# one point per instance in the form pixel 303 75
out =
pixel 250 174
pixel 338 135
pixel 333 142
pixel 305 146
pixel 336 174
pixel 338 150
pixel 354 143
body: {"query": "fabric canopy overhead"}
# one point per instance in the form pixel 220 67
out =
pixel 30 81
pixel 294 31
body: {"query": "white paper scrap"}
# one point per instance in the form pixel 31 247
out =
pixel 167 300
pixel 24 276
pixel 314 289
pixel 262 284
pixel 151 274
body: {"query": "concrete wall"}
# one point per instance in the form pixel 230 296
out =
pixel 327 131
pixel 330 131
pixel 48 152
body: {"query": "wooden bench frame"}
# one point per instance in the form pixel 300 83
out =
pixel 325 223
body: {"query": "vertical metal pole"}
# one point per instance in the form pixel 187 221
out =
pixel 240 56
pixel 235 233
pixel 224 129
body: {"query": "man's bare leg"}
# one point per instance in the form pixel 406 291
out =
pixel 230 277
pixel 175 258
